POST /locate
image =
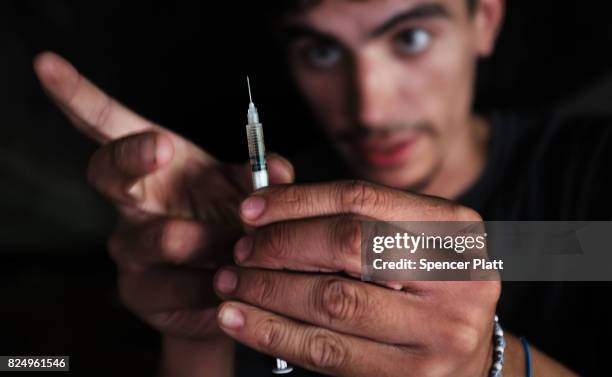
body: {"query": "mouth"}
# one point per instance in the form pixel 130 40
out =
pixel 386 153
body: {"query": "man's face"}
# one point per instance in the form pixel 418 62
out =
pixel 390 80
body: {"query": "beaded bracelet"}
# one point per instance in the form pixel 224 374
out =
pixel 498 353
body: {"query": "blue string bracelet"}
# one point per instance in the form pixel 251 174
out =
pixel 525 344
pixel 499 344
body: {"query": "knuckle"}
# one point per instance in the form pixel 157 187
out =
pixel 466 214
pixel 345 237
pixel 276 240
pixel 262 288
pixel 296 197
pixel 325 350
pixel 104 111
pixel 182 323
pixel 341 301
pixel 489 293
pixel 120 153
pixel 462 339
pixel 355 196
pixel 270 334
pixel 167 322
pixel 75 89
pixel 169 242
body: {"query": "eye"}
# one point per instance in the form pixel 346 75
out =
pixel 413 41
pixel 322 55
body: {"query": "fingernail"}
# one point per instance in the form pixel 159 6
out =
pixel 231 318
pixel 147 150
pixel 253 207
pixel 243 248
pixel 163 150
pixel 226 281
pixel 48 67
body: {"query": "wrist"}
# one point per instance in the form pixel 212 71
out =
pixel 514 363
pixel 505 354
pixel 182 357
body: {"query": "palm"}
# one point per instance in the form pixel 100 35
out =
pixel 194 186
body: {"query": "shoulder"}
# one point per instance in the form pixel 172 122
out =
pixel 578 132
pixel 554 164
pixel 571 155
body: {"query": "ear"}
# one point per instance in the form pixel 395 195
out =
pixel 488 17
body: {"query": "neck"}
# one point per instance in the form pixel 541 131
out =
pixel 464 162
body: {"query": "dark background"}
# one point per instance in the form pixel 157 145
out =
pixel 183 65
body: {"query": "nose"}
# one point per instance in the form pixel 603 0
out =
pixel 375 90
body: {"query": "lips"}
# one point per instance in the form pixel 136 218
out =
pixel 386 153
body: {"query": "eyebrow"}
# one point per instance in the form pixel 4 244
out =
pixel 423 11
pixel 297 31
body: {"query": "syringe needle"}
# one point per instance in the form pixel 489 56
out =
pixel 249 85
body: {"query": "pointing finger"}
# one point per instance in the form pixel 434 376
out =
pixel 91 111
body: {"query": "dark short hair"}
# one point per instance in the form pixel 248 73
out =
pixel 299 5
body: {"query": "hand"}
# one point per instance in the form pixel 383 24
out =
pixel 178 205
pixel 341 326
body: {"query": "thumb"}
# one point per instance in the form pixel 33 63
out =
pixel 280 170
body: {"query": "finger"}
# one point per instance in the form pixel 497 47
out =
pixel 169 241
pixel 167 289
pixel 308 346
pixel 91 110
pixel 117 168
pixel 336 303
pixel 280 171
pixel 185 324
pixel 279 203
pixel 328 244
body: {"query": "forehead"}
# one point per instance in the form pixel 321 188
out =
pixel 358 17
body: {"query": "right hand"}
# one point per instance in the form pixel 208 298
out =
pixel 178 206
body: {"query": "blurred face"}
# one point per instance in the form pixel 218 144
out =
pixel 390 80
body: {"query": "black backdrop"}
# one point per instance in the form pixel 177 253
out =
pixel 183 65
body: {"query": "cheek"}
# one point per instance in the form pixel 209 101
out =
pixel 324 93
pixel 443 86
pixel 451 73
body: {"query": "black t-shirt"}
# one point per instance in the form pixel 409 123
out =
pixel 552 166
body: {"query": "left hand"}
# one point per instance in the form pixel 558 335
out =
pixel 342 326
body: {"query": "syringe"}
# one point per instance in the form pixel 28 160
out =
pixel 259 174
pixel 257 149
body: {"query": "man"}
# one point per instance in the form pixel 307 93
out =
pixel 391 82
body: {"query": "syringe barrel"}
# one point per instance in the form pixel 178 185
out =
pixel 257 155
